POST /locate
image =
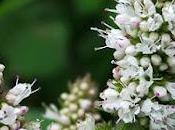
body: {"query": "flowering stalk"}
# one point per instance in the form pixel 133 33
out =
pixel 74 106
pixel 143 86
pixel 11 113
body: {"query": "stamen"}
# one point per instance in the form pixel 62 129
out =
pixel 17 79
pixel 98 30
pixel 153 97
pixel 100 48
pixel 111 10
pixel 36 90
pixel 107 25
pixel 33 82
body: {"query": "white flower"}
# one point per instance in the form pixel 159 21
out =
pixel 154 22
pixel 144 8
pixel 168 12
pixel 144 83
pixel 142 89
pixel 88 124
pixel 109 93
pixel 163 118
pixel 19 92
pixel 129 67
pixel 110 105
pixel 126 19
pixel 171 27
pixel 53 114
pixel 7 115
pixel 116 40
pixel 171 89
pixel 126 113
pixel 111 100
pixel 169 48
pixel 129 94
pixel 147 45
pixel 147 106
pixel 54 126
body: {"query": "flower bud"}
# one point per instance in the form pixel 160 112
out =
pixel 21 110
pixel 81 112
pixel 163 67
pixel 118 55
pixel 116 73
pixel 156 60
pixel 130 50
pixel 160 91
pixel 84 86
pixel 154 36
pixel 171 61
pixel 145 61
pixel 165 98
pixel 85 104
pixel 4 128
pixel 64 111
pixel 75 90
pixel 2 67
pixel 74 116
pixel 166 38
pixel 144 26
pixel 64 96
pixel 71 97
pixel 92 92
pixel 73 107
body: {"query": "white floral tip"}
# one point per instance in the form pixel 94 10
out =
pixel 19 92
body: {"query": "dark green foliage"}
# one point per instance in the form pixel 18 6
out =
pixel 51 40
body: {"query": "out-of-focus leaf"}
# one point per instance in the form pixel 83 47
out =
pixel 8 6
pixel 38 50
pixel 88 6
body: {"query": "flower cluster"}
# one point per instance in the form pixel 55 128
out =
pixel 75 105
pixel 144 57
pixel 11 113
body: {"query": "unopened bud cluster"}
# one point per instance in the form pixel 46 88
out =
pixel 75 105
pixel 143 83
pixel 11 113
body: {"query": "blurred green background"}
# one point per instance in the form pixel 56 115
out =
pixel 51 40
